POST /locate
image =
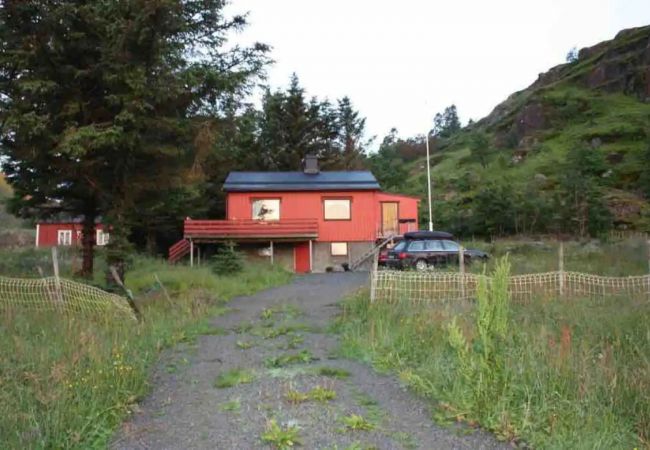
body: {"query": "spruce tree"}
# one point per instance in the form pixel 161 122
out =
pixel 351 128
pixel 479 146
pixel 581 195
pixel 100 102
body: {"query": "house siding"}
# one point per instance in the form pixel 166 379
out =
pixel 364 223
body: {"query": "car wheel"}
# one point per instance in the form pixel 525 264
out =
pixel 421 265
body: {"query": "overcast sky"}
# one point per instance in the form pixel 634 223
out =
pixel 402 61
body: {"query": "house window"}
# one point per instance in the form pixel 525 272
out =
pixel 337 209
pixel 102 238
pixel 339 248
pixel 64 237
pixel 266 209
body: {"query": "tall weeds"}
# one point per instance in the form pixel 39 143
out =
pixel 69 382
pixel 481 365
pixel 570 373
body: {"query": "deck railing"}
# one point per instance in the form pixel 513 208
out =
pixel 242 228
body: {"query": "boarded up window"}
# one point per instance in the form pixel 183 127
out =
pixel 337 209
pixel 266 209
pixel 339 248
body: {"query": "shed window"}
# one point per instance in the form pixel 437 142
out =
pixel 337 209
pixel 102 238
pixel 339 248
pixel 266 209
pixel 64 237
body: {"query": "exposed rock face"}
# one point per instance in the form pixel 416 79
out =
pixel 530 119
pixel 619 65
pixel 626 208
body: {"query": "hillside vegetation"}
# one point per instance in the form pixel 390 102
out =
pixel 13 231
pixel 570 153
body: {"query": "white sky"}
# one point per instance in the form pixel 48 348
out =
pixel 402 61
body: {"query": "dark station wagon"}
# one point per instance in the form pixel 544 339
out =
pixel 422 250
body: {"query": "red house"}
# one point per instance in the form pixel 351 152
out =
pixel 306 221
pixel 66 233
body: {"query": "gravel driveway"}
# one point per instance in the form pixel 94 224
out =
pixel 279 337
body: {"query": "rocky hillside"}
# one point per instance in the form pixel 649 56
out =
pixel 600 101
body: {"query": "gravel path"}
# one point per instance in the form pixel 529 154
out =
pixel 186 410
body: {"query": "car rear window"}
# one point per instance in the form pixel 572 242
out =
pixel 400 246
pixel 433 246
pixel 451 245
pixel 416 246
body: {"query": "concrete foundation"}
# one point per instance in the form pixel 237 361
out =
pixel 322 259
pixel 282 253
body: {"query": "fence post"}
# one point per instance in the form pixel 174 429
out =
pixel 561 268
pixel 129 294
pixel 461 263
pixel 648 245
pixel 373 277
pixel 58 295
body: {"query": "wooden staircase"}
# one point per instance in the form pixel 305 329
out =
pixel 178 251
pixel 370 253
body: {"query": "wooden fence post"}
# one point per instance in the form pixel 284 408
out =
pixel 58 295
pixel 461 264
pixel 373 277
pixel 648 245
pixel 561 268
pixel 129 294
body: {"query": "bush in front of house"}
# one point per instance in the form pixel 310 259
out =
pixel 227 260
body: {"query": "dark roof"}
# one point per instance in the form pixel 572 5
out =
pixel 63 217
pixel 299 181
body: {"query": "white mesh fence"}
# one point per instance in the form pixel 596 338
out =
pixel 393 286
pixel 57 294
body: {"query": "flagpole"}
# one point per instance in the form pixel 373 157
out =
pixel 426 136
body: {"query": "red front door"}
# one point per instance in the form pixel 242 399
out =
pixel 301 257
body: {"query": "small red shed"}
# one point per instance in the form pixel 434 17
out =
pixel 66 233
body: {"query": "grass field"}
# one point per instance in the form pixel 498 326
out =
pixel 616 258
pixel 69 382
pixel 571 374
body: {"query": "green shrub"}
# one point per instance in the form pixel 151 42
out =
pixel 281 438
pixel 227 260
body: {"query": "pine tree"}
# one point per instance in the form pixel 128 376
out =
pixel 581 196
pixel 447 123
pixel 351 129
pixel 100 102
pixel 479 147
pixel 292 126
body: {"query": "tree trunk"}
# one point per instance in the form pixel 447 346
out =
pixel 151 241
pixel 88 245
pixel 118 249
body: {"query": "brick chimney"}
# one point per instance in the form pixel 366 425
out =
pixel 310 164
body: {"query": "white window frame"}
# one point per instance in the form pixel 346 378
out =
pixel 327 201
pixel 64 237
pixel 338 251
pixel 101 238
pixel 271 217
